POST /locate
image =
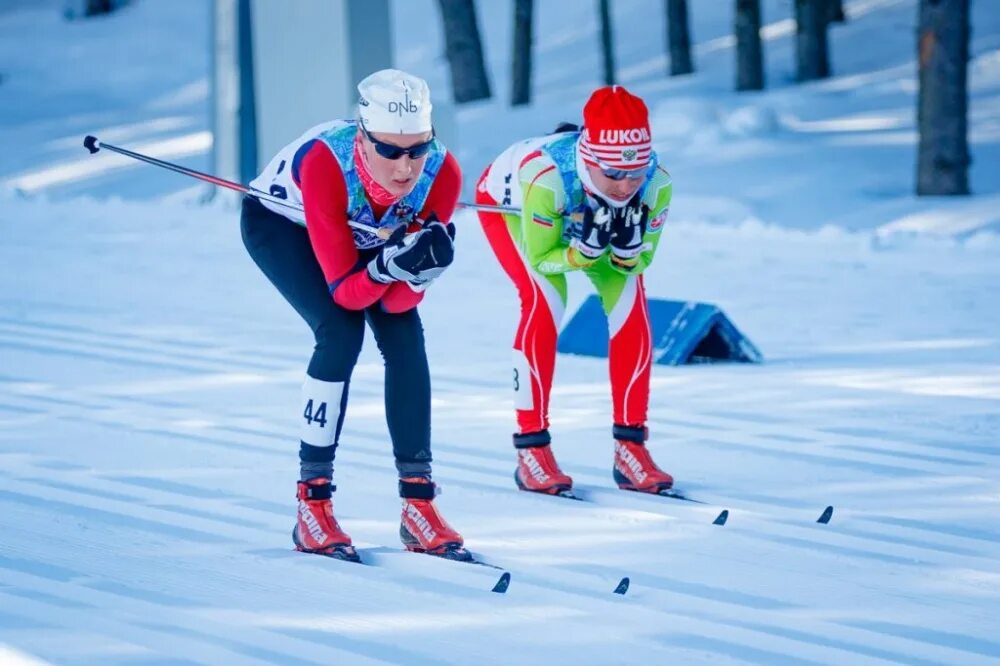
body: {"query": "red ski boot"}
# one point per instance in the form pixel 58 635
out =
pixel 421 528
pixel 316 530
pixel 537 470
pixel 634 468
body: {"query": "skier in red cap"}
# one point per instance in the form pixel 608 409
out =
pixel 592 200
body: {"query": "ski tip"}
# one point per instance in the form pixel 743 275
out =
pixel 622 586
pixel 91 143
pixel 826 516
pixel 502 583
pixel 721 518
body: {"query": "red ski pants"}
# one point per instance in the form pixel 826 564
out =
pixel 543 301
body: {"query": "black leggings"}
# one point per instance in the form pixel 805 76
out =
pixel 282 251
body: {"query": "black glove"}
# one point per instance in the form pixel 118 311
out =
pixel 440 254
pixel 596 231
pixel 416 258
pixel 627 229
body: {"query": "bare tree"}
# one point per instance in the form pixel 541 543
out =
pixel 942 104
pixel 679 38
pixel 607 41
pixel 73 9
pixel 835 11
pixel 811 22
pixel 464 50
pixel 520 89
pixel 95 7
pixel 749 50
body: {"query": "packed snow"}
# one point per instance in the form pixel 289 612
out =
pixel 149 375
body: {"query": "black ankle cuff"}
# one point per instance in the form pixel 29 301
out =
pixel 532 440
pixel 636 434
pixel 319 492
pixel 416 490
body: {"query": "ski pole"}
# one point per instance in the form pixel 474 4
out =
pixel 93 144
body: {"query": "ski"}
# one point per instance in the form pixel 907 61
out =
pixel 502 583
pixel 477 562
pixel 590 496
pixel 675 494
pixel 668 493
pixel 581 495
pixel 371 557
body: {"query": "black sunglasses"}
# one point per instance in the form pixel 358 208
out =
pixel 391 151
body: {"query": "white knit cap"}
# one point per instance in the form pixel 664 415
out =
pixel 394 102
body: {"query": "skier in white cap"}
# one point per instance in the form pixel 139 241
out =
pixel 368 231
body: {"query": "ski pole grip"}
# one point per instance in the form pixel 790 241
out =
pixel 91 143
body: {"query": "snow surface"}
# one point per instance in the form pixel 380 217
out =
pixel 149 380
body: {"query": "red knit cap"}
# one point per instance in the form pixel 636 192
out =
pixel 616 130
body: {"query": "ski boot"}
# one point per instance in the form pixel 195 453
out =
pixel 316 530
pixel 537 470
pixel 634 468
pixel 421 527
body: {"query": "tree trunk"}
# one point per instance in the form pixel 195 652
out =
pixel 679 37
pixel 811 21
pixel 607 42
pixel 942 104
pixel 520 89
pixel 749 50
pixel 464 50
pixel 835 11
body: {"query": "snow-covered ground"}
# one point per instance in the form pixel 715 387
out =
pixel 149 377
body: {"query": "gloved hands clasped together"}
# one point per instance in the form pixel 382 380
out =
pixel 417 258
pixel 620 229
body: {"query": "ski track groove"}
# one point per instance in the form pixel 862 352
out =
pixel 222 532
pixel 176 349
pixel 800 543
pixel 750 601
pixel 902 446
pixel 410 566
pixel 945 639
pixel 820 547
pixel 204 362
pixel 487 471
pixel 183 636
pixel 192 359
pixel 127 346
